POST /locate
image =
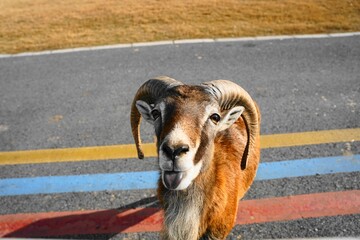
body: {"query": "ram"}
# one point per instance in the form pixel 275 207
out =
pixel 208 144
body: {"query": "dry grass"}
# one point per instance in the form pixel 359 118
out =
pixel 33 25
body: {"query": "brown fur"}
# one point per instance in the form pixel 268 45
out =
pixel 206 208
pixel 223 183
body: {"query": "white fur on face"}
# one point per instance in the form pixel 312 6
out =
pixel 162 107
pixel 185 162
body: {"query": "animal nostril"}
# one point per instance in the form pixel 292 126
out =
pixel 181 150
pixel 167 150
pixel 172 154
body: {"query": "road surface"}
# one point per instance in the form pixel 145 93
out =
pixel 75 100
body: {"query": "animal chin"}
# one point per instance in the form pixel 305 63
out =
pixel 172 179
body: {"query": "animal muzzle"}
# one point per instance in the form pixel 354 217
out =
pixel 177 165
pixel 172 173
pixel 175 157
pixel 173 153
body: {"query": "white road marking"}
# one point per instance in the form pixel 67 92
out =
pixel 181 41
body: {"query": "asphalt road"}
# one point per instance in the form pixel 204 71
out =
pixel 83 99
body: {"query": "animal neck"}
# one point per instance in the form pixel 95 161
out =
pixel 182 211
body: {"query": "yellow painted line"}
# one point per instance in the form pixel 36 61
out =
pixel 75 154
pixel 129 151
pixel 310 138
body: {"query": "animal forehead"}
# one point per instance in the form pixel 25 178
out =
pixel 188 94
pixel 188 99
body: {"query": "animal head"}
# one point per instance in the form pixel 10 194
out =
pixel 186 119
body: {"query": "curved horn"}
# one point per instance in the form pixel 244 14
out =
pixel 229 95
pixel 148 92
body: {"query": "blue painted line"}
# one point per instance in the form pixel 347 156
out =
pixel 308 167
pixel 148 180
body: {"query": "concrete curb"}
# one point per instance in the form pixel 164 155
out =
pixel 182 41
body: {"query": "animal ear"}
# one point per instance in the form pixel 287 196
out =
pixel 230 117
pixel 145 110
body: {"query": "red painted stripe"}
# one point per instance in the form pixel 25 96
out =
pixel 80 222
pixel 150 219
pixel 298 207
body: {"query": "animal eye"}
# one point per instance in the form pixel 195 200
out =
pixel 155 114
pixel 215 118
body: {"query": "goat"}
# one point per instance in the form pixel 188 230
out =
pixel 208 155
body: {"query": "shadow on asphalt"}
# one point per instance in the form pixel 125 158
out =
pixel 96 225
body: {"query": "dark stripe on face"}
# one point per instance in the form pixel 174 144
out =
pixel 203 147
pixel 169 120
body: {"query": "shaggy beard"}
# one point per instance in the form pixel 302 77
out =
pixel 182 214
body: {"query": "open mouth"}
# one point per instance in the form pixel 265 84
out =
pixel 172 179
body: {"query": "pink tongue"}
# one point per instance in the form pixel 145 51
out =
pixel 172 179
